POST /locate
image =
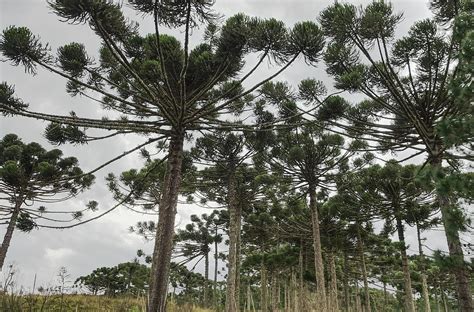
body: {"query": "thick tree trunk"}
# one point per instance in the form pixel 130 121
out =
pixel 9 233
pixel 455 248
pixel 409 303
pixel 360 245
pixel 165 228
pixel 231 301
pixel 263 281
pixel 318 255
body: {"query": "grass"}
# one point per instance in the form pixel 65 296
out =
pixel 80 303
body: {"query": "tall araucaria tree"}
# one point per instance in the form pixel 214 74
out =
pixel 225 152
pixel 29 175
pixel 397 195
pixel 162 88
pixel 406 84
pixel 305 155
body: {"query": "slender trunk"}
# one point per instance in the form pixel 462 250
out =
pixel 294 292
pixel 248 300
pixel 165 228
pixel 409 303
pixel 455 248
pixel 275 292
pixel 438 306
pixel 301 281
pixel 345 281
pixel 263 281
pixel 360 245
pixel 358 305
pixel 334 299
pixel 445 302
pixel 238 254
pixel 9 233
pixel 230 301
pixel 216 263
pixel 424 283
pixel 206 277
pixel 318 257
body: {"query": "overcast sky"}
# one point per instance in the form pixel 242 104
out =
pixel 107 242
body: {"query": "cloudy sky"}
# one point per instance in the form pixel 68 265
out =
pixel 107 242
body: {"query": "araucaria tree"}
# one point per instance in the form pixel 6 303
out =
pixel 225 152
pixel 195 242
pixel 406 85
pixel 162 88
pixel 305 155
pixel 29 175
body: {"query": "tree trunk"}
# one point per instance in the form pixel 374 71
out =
pixel 275 292
pixel 238 254
pixel 318 256
pixel 438 305
pixel 9 233
pixel 445 301
pixel 248 300
pixel 301 278
pixel 231 304
pixel 216 263
pixel 334 297
pixel 206 277
pixel 345 281
pixel 263 281
pixel 294 293
pixel 455 248
pixel 360 245
pixel 409 303
pixel 165 228
pixel 424 284
pixel 358 305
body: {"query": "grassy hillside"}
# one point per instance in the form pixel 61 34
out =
pixel 87 303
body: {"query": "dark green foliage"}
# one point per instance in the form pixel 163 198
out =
pixel 125 278
pixel 104 16
pixel 34 172
pixel 405 79
pixel 20 46
pixel 194 242
pixel 25 222
pixel 29 172
pixel 307 38
pixel 8 100
pixel 59 134
pixel 73 59
pixel 188 282
pixel 174 13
